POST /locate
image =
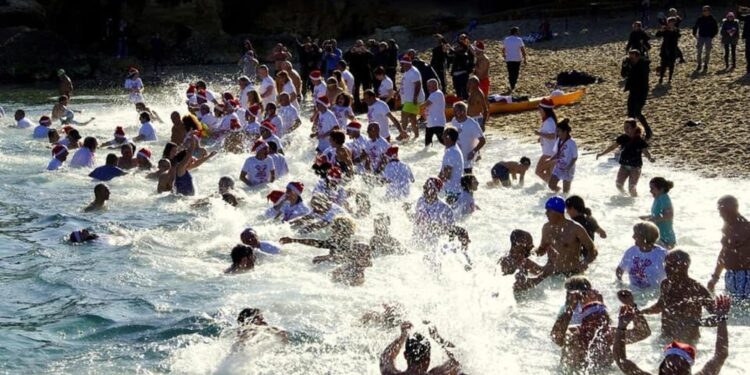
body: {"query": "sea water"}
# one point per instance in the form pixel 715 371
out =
pixel 150 296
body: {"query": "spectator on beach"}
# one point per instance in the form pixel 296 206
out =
pixel 730 36
pixel 668 53
pixel 515 53
pixel 310 56
pixel 463 64
pixel 360 59
pixel 705 29
pixel 636 85
pixel 638 39
pixel 439 60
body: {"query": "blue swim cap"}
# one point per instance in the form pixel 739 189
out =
pixel 555 204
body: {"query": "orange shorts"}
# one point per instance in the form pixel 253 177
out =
pixel 484 86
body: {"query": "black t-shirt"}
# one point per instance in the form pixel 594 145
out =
pixel 631 150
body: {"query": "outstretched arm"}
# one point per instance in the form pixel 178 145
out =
pixel 388 357
pixel 607 150
pixel 304 241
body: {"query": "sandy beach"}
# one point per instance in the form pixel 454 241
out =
pixel 719 99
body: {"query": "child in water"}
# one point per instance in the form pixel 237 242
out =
pixel 662 212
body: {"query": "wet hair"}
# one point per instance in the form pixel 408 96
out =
pixel 226 180
pixel 230 199
pixel 89 142
pixel 379 71
pixel 51 133
pixel 451 133
pixel 20 112
pixel 189 123
pixel 576 202
pixel 271 105
pixel 417 349
pixel 467 180
pixel 200 84
pixel 239 252
pixel 525 161
pixel 168 149
pixel 128 146
pixel 681 256
pixel 518 235
pixel 145 116
pixel 550 112
pixel 580 283
pixel 247 314
pixel 337 137
pixel 99 187
pixel 74 134
pixel 662 184
pixel 648 230
pixel 564 125
pixel 111 159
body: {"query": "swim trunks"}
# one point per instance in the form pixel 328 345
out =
pixel 737 283
pixel 410 107
pixel 500 172
pixel 484 85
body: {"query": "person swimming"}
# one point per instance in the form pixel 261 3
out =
pixel 243 259
pixel 101 195
pixel 81 236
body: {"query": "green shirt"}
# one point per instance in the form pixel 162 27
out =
pixel 666 232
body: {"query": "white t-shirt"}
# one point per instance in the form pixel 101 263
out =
pixel 513 45
pixel 278 124
pixel 41 131
pixel 431 216
pixel 326 122
pixel 226 122
pixel 269 247
pixel 258 171
pixel 24 123
pixel 548 145
pixel 293 211
pixel 343 113
pixel 264 85
pixel 375 151
pixel 455 159
pixel 644 269
pixel 137 96
pixel 243 95
pixel 436 110
pixel 358 147
pixel 464 205
pixel 399 177
pixel 288 115
pixel 386 85
pixel 210 120
pixel 54 164
pixel 279 164
pixel 319 90
pixel 274 139
pixel 378 113
pixel 253 127
pixel 147 131
pixel 568 152
pixel 469 133
pixel 408 79
pixel 83 157
pixel 348 78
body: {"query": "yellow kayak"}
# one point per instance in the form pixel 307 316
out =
pixel 533 103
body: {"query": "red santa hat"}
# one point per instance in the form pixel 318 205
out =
pixel 405 59
pixel 436 183
pixel 392 152
pixel 45 120
pixel 315 75
pixel 547 103
pixel 321 159
pixel 323 100
pixel 268 125
pixel 234 124
pixel 354 126
pixel 119 132
pixel 144 153
pixel 479 45
pixel 334 174
pixel 275 196
pixel 254 109
pixel 296 187
pixel 59 150
pixel 259 145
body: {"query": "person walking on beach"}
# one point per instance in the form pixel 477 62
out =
pixel 638 39
pixel 735 251
pixel 730 36
pixel 669 49
pixel 705 29
pixel 636 85
pixel 515 53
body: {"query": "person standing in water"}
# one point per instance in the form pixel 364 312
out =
pixel 662 213
pixel 101 195
pixel 565 242
pixel 547 139
pixel 644 261
pixel 452 166
pixel 471 137
pixel 435 112
pixel 59 155
pixel 578 212
pixel 632 146
pixel 183 180
pixel 735 251
pixel 134 86
pixel 565 160
pixel 66 85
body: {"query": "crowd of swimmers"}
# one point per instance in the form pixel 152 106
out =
pixel 267 106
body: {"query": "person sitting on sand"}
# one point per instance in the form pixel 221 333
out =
pixel 101 195
pixel 252 324
pixel 565 159
pixel 382 242
pixel 578 212
pixel 107 171
pixel 417 355
pixel 678 357
pixel 735 251
pixel 632 146
pixel 503 171
pixel 352 256
pixel 681 301
pixel 84 156
pixel 126 160
pixel 322 214
pixel 565 242
pixel 662 211
pixel 59 155
pixel 243 259
pixel 81 236
pixel 644 262
pixel 588 346
pixel 250 238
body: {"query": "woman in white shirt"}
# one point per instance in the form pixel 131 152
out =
pixel 547 138
pixel 134 86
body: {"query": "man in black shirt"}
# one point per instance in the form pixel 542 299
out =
pixel 637 88
pixel 360 63
pixel 705 29
pixel 309 60
pixel 439 60
pixel 638 39
pixel 463 65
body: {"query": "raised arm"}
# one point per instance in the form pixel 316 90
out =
pixel 627 366
pixel 560 329
pixel 714 365
pixel 388 357
pixel 451 366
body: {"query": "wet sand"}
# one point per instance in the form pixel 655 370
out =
pixel 719 99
